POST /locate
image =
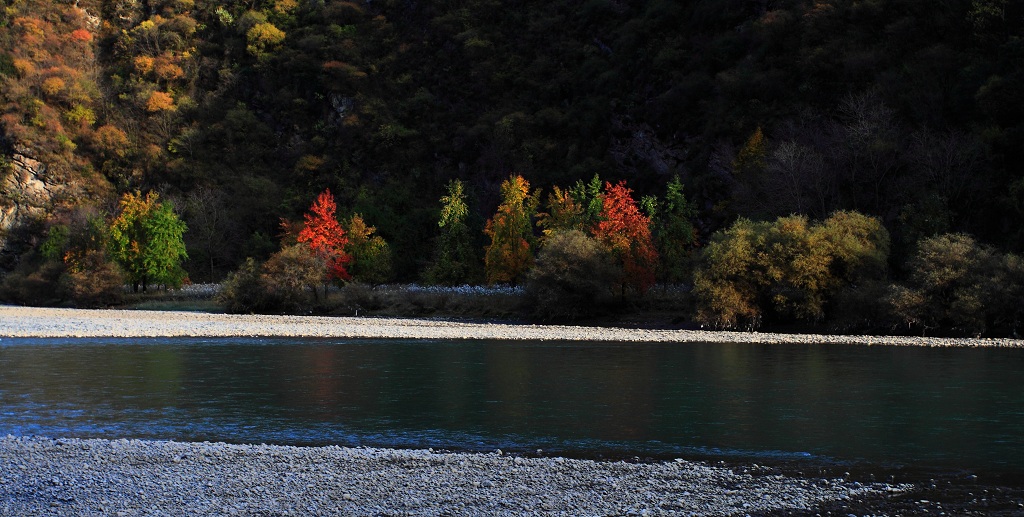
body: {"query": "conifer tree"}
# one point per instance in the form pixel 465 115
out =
pixel 455 261
pixel 510 252
pixel 674 232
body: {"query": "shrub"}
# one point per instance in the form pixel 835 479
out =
pixel 290 276
pixel 574 277
pixel 959 286
pixel 33 283
pixel 726 285
pixel 93 281
pixel 787 270
pixel 242 291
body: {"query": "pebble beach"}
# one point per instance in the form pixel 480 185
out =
pixel 60 323
pixel 65 476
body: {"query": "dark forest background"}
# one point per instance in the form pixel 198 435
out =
pixel 242 111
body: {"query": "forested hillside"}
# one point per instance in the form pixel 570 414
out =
pixel 241 112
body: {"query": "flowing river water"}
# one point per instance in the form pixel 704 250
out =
pixel 945 408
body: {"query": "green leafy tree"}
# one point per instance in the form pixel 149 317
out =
pixel 371 255
pixel 674 233
pixel 510 252
pixel 146 240
pixel 455 261
pixel 588 197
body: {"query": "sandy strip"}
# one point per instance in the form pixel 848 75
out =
pixel 57 323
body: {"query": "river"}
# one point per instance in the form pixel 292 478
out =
pixel 947 408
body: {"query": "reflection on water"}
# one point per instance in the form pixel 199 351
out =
pixel 941 407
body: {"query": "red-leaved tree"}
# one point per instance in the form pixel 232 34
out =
pixel 628 233
pixel 325 236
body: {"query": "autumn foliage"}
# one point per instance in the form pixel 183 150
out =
pixel 159 101
pixel 325 236
pixel 627 232
pixel 510 252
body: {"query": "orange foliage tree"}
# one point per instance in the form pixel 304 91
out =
pixel 325 236
pixel 627 232
pixel 159 101
pixel 510 252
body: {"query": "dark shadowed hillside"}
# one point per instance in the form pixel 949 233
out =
pixel 241 112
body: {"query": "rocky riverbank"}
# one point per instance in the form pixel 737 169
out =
pixel 57 323
pixel 130 477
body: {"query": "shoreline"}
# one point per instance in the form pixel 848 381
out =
pixel 38 322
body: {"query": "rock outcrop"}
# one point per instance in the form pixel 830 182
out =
pixel 25 194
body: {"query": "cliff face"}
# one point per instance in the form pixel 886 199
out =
pixel 25 200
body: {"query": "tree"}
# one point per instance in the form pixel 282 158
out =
pixel 674 233
pixel 725 285
pixel 510 252
pixel 165 251
pixel 325 236
pixel 210 228
pixel 588 197
pixel 146 240
pixel 371 255
pixel 752 156
pixel 455 261
pixel 564 214
pixel 159 101
pixel 627 233
pixel 263 37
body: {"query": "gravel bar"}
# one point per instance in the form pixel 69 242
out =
pixel 42 476
pixel 59 323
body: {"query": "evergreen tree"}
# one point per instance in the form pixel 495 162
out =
pixel 674 233
pixel 455 261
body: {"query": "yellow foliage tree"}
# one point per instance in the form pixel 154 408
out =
pixel 510 252
pixel 263 37
pixel 159 101
pixel 752 157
